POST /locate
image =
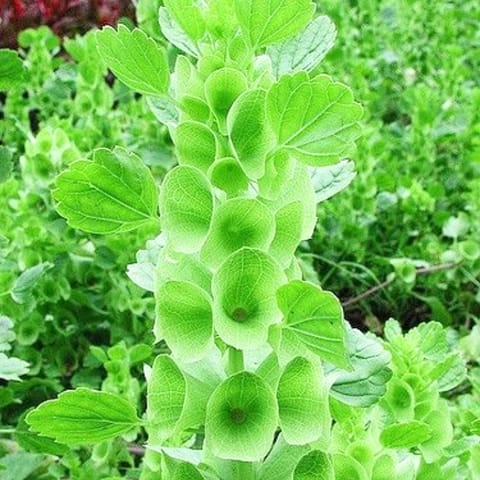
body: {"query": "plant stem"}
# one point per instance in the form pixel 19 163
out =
pixel 235 361
pixel 243 471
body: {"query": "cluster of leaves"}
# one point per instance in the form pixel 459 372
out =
pixel 264 379
pixel 63 291
pixel 414 202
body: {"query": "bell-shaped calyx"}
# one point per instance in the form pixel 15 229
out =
pixel 303 402
pixel 184 319
pixel 244 301
pixel 241 419
pixel 237 223
pixel 186 205
pixel 315 318
pixel 177 398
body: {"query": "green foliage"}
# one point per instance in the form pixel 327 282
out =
pixel 83 416
pixel 415 193
pixel 255 375
pixel 135 59
pixel 119 185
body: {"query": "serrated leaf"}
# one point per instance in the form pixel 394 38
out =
pixel 241 418
pixel 186 205
pixel 328 181
pixel 11 69
pixel 243 291
pixel 316 318
pixel 83 416
pixel 304 51
pixel 405 435
pixel 366 383
pixel 135 59
pixel 33 442
pixel 115 192
pixel 269 21
pixel 303 403
pixel 314 120
pixel 184 319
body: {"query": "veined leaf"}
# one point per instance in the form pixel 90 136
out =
pixel 186 205
pixel 113 193
pixel 244 290
pixel 83 416
pixel 314 120
pixel 304 51
pixel 135 59
pixel 303 402
pixel 316 318
pixel 270 21
pixel 241 419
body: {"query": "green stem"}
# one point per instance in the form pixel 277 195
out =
pixel 243 471
pixel 235 361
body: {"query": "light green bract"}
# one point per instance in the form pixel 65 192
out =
pixel 241 418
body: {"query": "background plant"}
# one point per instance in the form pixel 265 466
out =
pixel 417 163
